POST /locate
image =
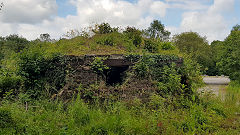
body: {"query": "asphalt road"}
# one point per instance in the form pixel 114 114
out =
pixel 216 80
pixel 216 85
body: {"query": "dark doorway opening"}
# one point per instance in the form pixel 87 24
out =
pixel 116 75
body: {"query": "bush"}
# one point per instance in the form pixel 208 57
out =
pixel 38 69
pixel 134 34
pixel 162 69
pixel 15 43
pixel 167 46
pixel 104 28
pixel 151 46
pixel 108 40
pixel 6 120
pixel 171 79
pixel 98 65
pixel 10 84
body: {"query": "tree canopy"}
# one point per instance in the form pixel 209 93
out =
pixel 229 60
pixel 195 45
pixel 1 5
pixel 157 31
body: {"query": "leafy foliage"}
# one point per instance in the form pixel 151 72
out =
pixel 167 46
pixel 37 69
pixel 134 34
pixel 151 46
pixel 162 69
pixel 108 40
pixel 10 83
pixel 14 43
pixel 217 48
pixel 157 31
pixel 98 65
pixel 229 55
pixel 104 28
pixel 45 37
pixel 1 5
pixel 196 46
pixel 158 116
pixel 6 120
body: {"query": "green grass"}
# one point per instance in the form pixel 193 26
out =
pixel 158 116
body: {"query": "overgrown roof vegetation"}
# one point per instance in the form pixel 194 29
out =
pixel 103 39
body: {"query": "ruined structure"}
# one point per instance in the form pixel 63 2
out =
pixel 81 75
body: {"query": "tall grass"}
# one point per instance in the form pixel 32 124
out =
pixel 159 116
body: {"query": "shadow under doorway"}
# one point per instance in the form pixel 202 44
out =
pixel 116 75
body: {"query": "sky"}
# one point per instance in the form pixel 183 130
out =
pixel 212 19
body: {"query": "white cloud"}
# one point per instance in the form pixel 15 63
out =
pixel 210 23
pixel 31 18
pixel 158 8
pixel 188 4
pixel 222 6
pixel 27 11
pixel 118 12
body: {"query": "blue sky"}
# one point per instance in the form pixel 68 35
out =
pixel 29 18
pixel 173 18
pixel 65 8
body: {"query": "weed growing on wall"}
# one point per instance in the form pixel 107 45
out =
pixel 171 78
pixel 98 65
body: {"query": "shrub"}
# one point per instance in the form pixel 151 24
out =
pixel 172 79
pixel 167 46
pixel 15 43
pixel 161 69
pixel 169 81
pixel 134 34
pixel 10 83
pixel 142 68
pixel 98 65
pixel 6 120
pixel 37 69
pixel 108 40
pixel 150 45
pixel 104 28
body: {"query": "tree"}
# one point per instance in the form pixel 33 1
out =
pixel 1 5
pixel 72 34
pixel 195 45
pixel 45 37
pixel 15 43
pixel 157 31
pixel 217 48
pixel 236 28
pixel 134 34
pixel 229 62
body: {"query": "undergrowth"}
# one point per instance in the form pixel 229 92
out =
pixel 158 116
